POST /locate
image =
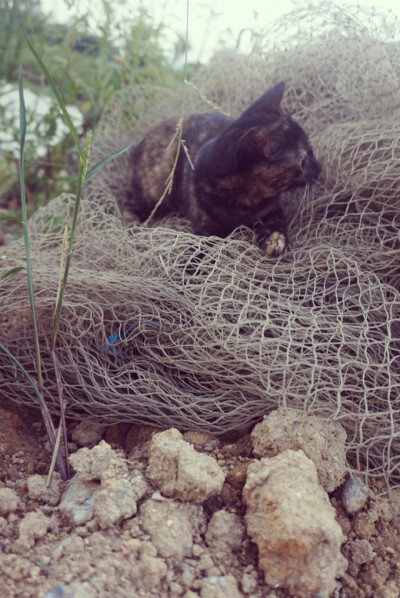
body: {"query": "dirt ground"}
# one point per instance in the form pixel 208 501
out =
pixel 168 540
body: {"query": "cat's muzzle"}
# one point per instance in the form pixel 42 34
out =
pixel 311 168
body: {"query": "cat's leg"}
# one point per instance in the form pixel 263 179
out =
pixel 272 235
pixel 202 218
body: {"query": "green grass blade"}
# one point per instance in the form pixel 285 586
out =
pixel 22 125
pixel 54 88
pixel 83 164
pixel 64 470
pixel 22 118
pixel 13 380
pixel 105 161
pixel 27 376
pixel 45 413
pixel 13 271
pixel 11 219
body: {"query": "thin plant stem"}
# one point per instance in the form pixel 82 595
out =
pixel 48 422
pixel 179 130
pixel 22 115
pixel 83 164
pixel 46 415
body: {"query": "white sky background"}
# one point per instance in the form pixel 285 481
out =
pixel 210 21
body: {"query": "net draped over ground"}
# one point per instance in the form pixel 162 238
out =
pixel 163 327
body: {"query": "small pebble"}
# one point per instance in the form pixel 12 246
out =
pixel 237 476
pixel 362 552
pixel 202 441
pixel 88 434
pixel 249 583
pixel 58 591
pixel 8 501
pixel 355 494
pixel 75 590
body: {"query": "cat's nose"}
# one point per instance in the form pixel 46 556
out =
pixel 311 167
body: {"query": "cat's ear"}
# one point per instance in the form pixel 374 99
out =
pixel 240 147
pixel 270 101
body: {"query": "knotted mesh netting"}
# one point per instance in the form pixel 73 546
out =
pixel 163 327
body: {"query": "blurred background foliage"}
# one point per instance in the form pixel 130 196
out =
pixel 88 65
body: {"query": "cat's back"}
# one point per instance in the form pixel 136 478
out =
pixel 152 160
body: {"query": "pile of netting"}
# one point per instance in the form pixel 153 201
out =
pixel 163 327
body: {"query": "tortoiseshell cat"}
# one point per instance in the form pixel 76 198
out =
pixel 240 169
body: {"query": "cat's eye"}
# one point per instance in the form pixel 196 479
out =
pixel 277 145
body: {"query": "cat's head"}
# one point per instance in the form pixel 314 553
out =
pixel 263 142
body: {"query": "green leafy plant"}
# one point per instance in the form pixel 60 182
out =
pixel 69 236
pixel 151 67
pixel 90 65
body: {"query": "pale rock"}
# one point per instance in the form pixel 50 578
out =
pixel 130 546
pixel 9 501
pixel 77 501
pixel 32 527
pixel 180 471
pixel 175 590
pixel 225 530
pixel 205 562
pixel 148 549
pixel 13 567
pixel 322 441
pixel 197 550
pixel 290 519
pixel 75 590
pixel 111 501
pixel 364 525
pixel 188 575
pixel 220 587
pixel 116 499
pixel 249 583
pixel 171 526
pixel 57 591
pixel 354 495
pixel 148 572
pixel 64 545
pixel 98 462
pixel 389 590
pixel 361 551
pixel 75 546
pixel 37 489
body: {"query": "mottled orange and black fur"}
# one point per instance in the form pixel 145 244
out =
pixel 240 169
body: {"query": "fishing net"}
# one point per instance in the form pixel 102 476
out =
pixel 163 327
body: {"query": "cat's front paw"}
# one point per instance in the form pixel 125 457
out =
pixel 275 244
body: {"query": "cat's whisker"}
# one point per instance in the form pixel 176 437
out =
pixel 315 182
pixel 304 197
pixel 303 202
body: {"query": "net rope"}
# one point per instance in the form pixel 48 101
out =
pixel 163 327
